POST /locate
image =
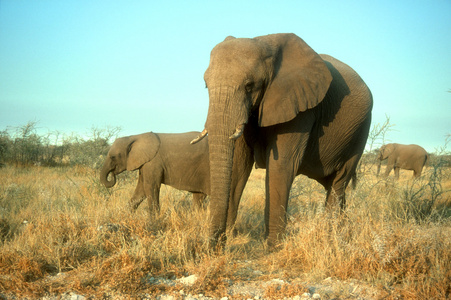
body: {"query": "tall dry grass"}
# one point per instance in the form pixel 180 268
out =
pixel 60 231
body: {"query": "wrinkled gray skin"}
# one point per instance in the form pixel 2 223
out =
pixel 407 157
pixel 313 114
pixel 163 158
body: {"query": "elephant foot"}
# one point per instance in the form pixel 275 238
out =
pixel 232 231
pixel 273 246
pixel 217 243
pixel 132 208
pixel 133 204
pixel 274 242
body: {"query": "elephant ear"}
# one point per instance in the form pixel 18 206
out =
pixel 300 80
pixel 386 150
pixel 143 149
pixel 390 148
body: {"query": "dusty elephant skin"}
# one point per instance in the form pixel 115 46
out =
pixel 407 157
pixel 164 158
pixel 313 114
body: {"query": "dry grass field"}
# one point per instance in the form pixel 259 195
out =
pixel 61 231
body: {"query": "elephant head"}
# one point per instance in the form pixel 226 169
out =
pixel 128 153
pixel 384 152
pixel 274 77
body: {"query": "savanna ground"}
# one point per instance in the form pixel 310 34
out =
pixel 63 235
pixel 61 231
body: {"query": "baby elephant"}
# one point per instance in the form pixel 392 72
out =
pixel 407 157
pixel 171 159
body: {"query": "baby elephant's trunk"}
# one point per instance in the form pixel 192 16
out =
pixel 106 170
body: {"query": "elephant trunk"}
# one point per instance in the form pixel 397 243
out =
pixel 380 158
pixel 221 161
pixel 106 170
pixel 379 161
pixel 223 124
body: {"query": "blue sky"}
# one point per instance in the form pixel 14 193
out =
pixel 74 65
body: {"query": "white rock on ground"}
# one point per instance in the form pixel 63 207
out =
pixel 189 280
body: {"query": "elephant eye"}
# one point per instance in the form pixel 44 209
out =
pixel 248 86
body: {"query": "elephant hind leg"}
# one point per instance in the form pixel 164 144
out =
pixel 337 183
pixel 198 200
pixel 419 169
pixel 335 188
pixel 335 197
pixel 416 173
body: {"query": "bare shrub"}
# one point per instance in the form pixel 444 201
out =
pixel 91 151
pixel 376 138
pixel 23 146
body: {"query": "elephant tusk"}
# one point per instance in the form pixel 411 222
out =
pixel 238 132
pixel 200 137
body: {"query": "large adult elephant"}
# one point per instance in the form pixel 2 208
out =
pixel 399 156
pixel 313 114
pixel 165 158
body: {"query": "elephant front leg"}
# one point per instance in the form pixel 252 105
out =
pixel 284 154
pixel 391 164
pixel 378 167
pixel 153 199
pixel 232 212
pixel 278 183
pixel 388 170
pixel 138 195
pixel 152 179
pixel 282 166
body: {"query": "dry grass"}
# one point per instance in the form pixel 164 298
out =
pixel 60 231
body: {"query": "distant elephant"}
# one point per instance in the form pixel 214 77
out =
pixel 407 157
pixel 170 159
pixel 313 114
